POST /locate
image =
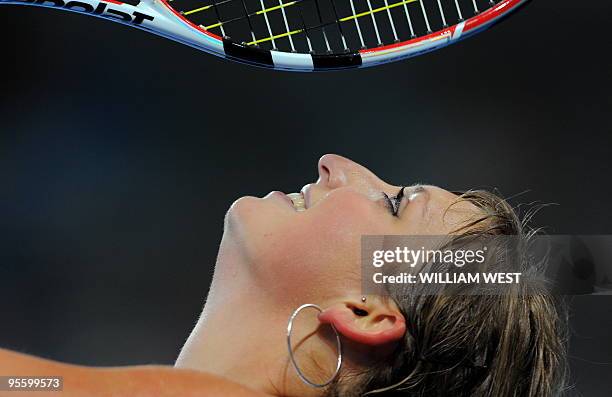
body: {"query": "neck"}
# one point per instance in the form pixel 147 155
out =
pixel 240 335
pixel 231 355
pixel 244 349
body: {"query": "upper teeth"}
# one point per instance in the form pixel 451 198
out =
pixel 298 201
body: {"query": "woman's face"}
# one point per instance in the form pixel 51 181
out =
pixel 300 256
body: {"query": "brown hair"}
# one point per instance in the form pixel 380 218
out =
pixel 504 345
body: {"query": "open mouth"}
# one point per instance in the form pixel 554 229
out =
pixel 298 201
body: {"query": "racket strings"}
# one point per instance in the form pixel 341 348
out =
pixel 287 25
pixel 345 47
pixel 248 18
pixel 327 26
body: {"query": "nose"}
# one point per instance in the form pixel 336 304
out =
pixel 334 170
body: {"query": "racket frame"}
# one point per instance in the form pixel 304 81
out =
pixel 158 17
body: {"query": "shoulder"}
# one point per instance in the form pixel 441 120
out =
pixel 169 381
pixel 138 381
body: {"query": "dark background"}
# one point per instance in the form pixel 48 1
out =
pixel 120 152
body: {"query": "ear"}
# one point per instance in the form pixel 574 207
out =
pixel 373 323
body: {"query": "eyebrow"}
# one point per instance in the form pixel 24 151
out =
pixel 418 188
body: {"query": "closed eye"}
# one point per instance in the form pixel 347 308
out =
pixel 393 203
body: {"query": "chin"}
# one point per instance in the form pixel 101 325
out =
pixel 251 220
pixel 240 210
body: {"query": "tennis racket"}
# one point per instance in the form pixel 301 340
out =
pixel 302 35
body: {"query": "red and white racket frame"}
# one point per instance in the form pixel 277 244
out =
pixel 158 17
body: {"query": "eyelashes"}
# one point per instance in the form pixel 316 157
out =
pixel 393 203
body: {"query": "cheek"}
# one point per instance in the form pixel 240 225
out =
pixel 318 252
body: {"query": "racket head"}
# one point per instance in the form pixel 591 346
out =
pixel 307 35
pixel 302 35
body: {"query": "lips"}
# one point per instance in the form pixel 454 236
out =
pixel 297 199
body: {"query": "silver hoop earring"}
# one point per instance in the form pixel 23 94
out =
pixel 297 369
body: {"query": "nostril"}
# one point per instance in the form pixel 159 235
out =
pixel 324 173
pixel 332 170
pixel 326 167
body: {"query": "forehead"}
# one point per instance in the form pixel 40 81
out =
pixel 446 211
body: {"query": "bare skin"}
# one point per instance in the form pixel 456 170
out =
pixel 162 381
pixel 272 259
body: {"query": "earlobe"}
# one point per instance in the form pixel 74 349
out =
pixel 378 326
